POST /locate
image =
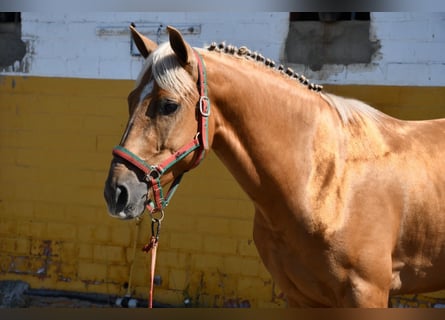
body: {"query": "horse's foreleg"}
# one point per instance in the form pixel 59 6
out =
pixel 363 294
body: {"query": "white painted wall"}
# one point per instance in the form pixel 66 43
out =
pixel 413 47
pixel 76 45
pixel 412 53
pixel 73 45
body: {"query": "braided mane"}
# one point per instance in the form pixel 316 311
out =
pixel 255 56
pixel 348 109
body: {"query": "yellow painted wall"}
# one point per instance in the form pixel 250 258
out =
pixel 56 137
pixel 56 141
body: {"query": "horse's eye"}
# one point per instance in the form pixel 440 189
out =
pixel 168 108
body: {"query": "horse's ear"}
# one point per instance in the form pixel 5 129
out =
pixel 182 49
pixel 144 45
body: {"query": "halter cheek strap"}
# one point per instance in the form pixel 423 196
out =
pixel 200 143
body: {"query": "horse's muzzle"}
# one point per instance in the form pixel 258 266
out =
pixel 124 194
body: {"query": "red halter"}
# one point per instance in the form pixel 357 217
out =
pixel 153 173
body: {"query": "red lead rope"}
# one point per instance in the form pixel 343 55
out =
pixel 154 249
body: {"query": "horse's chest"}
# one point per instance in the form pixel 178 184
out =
pixel 296 262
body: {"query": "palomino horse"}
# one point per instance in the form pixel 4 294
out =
pixel 349 202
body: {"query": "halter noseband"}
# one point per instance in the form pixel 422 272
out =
pixel 153 173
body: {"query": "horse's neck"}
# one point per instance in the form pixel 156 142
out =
pixel 264 126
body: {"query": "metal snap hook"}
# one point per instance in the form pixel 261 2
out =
pixel 159 218
pixel 156 225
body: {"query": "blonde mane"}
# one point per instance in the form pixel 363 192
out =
pixel 349 109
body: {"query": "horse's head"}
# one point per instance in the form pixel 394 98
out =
pixel 166 134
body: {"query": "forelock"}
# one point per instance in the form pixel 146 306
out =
pixel 169 74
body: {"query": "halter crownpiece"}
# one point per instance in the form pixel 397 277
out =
pixel 153 173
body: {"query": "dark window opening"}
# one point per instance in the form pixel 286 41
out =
pixel 320 38
pixel 13 49
pixel 10 17
pixel 329 16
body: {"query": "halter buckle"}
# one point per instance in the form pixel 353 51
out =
pixel 202 106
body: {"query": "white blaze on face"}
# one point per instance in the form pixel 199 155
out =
pixel 144 93
pixel 146 90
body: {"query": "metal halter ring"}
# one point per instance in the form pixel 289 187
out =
pixel 154 173
pixel 201 106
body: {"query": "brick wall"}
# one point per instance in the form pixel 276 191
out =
pixel 54 141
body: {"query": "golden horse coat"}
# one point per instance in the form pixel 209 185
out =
pixel 349 202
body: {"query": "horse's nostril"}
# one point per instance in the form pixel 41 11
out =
pixel 121 198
